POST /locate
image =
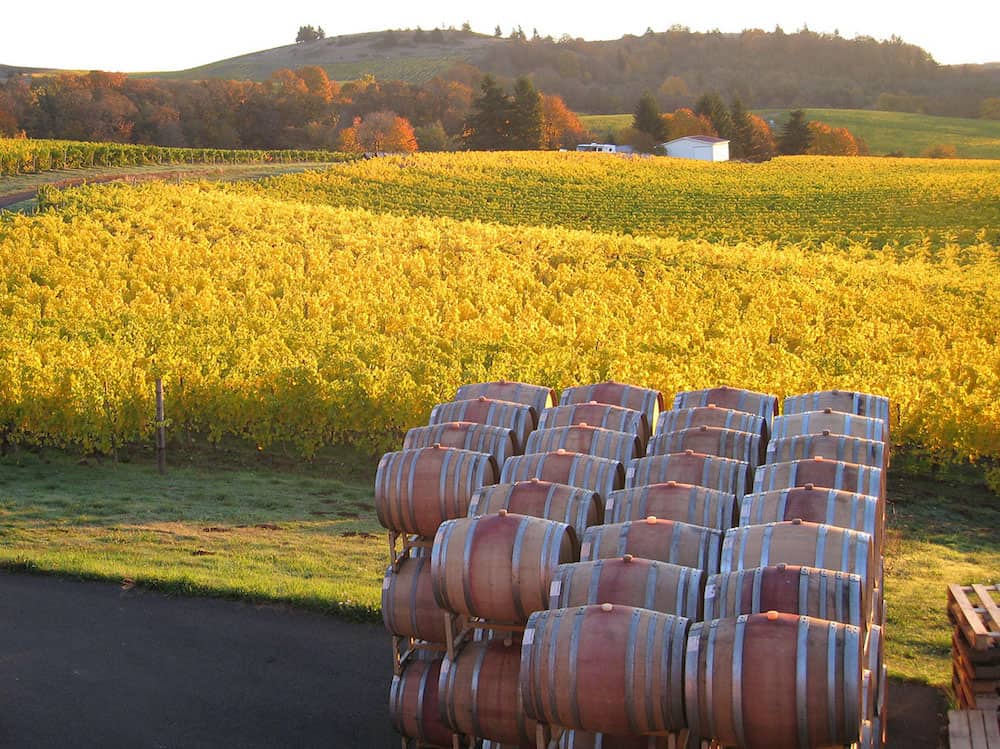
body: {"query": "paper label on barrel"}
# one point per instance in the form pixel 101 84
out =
pixel 630 473
pixel 710 591
pixel 529 636
pixel 555 588
pixel 585 549
pixel 692 644
pixel 385 583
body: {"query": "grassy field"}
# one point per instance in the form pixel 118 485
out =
pixel 213 526
pixel 884 132
pixel 306 534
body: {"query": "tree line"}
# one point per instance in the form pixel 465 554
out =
pixel 296 109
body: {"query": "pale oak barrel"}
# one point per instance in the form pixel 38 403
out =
pixel 517 417
pixel 862 404
pixel 712 416
pixel 586 439
pixel 770 680
pixel 500 442
pixel 630 581
pixel 831 474
pixel 738 399
pixel 829 446
pixel 603 415
pixel 790 589
pixel 673 501
pixel 605 668
pixel 746 447
pixel 828 420
pixel 660 540
pixel 689 467
pixel 416 490
pixel 600 475
pixel 538 397
pixel 408 605
pixel 646 400
pixel 498 567
pixel 414 708
pixel 579 508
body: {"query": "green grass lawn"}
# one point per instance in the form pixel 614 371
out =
pixel 884 132
pixel 307 535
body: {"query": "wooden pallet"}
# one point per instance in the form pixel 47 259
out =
pixel 978 620
pixel 973 729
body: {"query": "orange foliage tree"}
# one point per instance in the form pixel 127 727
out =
pixel 685 122
pixel 763 147
pixel 379 132
pixel 561 128
pixel 832 141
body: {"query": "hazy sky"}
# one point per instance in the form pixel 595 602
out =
pixel 137 36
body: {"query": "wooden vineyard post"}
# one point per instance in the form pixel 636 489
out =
pixel 161 430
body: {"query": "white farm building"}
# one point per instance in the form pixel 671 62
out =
pixel 701 147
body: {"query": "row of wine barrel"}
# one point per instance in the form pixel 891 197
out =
pixel 571 468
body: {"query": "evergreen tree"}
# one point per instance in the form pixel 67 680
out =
pixel 647 118
pixel 712 107
pixel 741 142
pixel 795 136
pixel 489 127
pixel 525 117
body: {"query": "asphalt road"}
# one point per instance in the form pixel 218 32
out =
pixel 86 664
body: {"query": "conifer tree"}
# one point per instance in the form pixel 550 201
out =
pixel 795 136
pixel 489 127
pixel 525 117
pixel 647 118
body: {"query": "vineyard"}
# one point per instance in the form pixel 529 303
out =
pixel 911 206
pixel 279 320
pixel 20 156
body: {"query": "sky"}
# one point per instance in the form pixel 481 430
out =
pixel 137 36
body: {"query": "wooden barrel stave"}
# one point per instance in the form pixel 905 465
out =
pixel 828 420
pixel 830 474
pixel 746 447
pixel 737 399
pixel 498 567
pixel 409 608
pixel 660 540
pixel 673 501
pixel 631 682
pixel 862 404
pixel 585 740
pixel 414 708
pixel 416 490
pixel 642 583
pixel 829 446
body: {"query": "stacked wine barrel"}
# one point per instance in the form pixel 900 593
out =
pixel 713 572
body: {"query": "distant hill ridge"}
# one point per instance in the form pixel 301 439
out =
pixel 764 69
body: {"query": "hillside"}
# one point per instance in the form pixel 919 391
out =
pixel 885 132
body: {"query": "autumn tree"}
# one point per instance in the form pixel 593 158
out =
pixel 647 119
pixel 685 122
pixel 762 143
pixel 825 140
pixel 561 128
pixel 525 120
pixel 489 126
pixel 795 136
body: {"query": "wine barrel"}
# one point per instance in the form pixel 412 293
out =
pixel 602 415
pixel 790 589
pixel 799 543
pixel 415 490
pixel 874 660
pixel 830 474
pixel 712 416
pixel 862 404
pixel 649 402
pixel 408 605
pixel 500 442
pixel 631 680
pixel 660 540
pixel 858 512
pixel 630 581
pixel 726 443
pixel 829 446
pixel 759 404
pixel 585 471
pixel 688 467
pixel 576 507
pixel 414 708
pixel 586 439
pixel 538 397
pixel 774 680
pixel 672 501
pixel 517 417
pixel 480 695
pixel 828 420
pixel 498 567
pixel 584 740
